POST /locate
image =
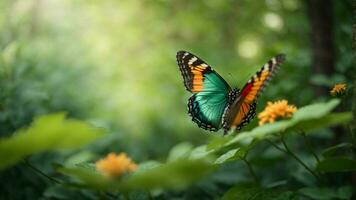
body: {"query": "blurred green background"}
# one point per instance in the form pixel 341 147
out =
pixel 112 63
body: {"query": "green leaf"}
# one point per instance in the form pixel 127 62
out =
pixel 148 165
pixel 228 156
pixel 306 118
pixel 200 152
pixel 337 164
pixel 217 142
pixel 325 121
pixel 80 157
pixel 87 177
pixel 172 175
pixel 327 193
pixel 235 154
pixel 315 110
pixel 332 151
pixel 180 151
pixel 50 132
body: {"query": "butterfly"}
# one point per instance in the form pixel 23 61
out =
pixel 214 104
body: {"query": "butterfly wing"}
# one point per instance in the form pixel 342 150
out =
pixel 240 111
pixel 210 91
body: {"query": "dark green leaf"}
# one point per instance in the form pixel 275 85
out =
pixel 327 193
pixel 337 164
pixel 332 151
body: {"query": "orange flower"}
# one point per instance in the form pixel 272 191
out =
pixel 114 165
pixel 273 111
pixel 338 89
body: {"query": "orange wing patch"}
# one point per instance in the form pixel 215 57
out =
pixel 198 77
pixel 257 85
pixel 244 110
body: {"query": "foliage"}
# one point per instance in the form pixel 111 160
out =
pixel 47 133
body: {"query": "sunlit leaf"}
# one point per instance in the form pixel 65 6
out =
pixel 50 132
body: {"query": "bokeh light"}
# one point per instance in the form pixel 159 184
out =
pixel 273 21
pixel 248 48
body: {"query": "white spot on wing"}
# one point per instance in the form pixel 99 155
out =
pixel 192 60
pixel 265 66
pixel 274 61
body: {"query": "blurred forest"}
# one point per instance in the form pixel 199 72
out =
pixel 111 65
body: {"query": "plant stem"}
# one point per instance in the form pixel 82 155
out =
pixel 41 172
pixel 277 147
pixel 309 145
pixel 252 172
pixel 297 158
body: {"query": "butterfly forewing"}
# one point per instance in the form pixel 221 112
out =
pixel 194 71
pixel 256 84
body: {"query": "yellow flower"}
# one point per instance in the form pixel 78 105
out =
pixel 338 89
pixel 273 111
pixel 114 165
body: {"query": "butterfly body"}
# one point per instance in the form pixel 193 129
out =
pixel 214 104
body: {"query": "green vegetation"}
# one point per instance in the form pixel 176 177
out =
pixel 82 79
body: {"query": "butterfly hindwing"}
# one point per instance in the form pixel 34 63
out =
pixel 207 110
pixel 210 91
pixel 247 117
pixel 240 111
